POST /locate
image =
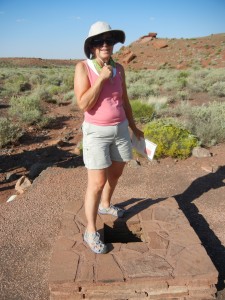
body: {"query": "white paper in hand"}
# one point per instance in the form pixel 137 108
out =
pixel 144 147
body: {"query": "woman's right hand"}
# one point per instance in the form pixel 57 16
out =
pixel 106 72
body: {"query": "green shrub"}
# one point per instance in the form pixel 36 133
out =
pixel 9 132
pixel 132 77
pixel 142 90
pixel 69 96
pixel 182 95
pixel 68 81
pixel 13 85
pixel 43 94
pixel 207 122
pixel 46 121
pixel 142 112
pixel 36 78
pixel 158 102
pixel 53 90
pixel 171 139
pixel 55 79
pixel 26 109
pixel 182 79
pixel 217 89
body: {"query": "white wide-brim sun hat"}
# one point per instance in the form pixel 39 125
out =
pixel 100 28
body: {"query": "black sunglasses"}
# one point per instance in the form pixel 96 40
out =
pixel 101 42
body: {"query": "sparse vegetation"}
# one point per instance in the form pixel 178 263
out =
pixel 26 109
pixel 207 122
pixel 27 89
pixel 142 112
pixel 155 95
pixel 9 132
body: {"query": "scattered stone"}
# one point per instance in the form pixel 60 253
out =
pixel 11 198
pixel 134 163
pixel 58 142
pixel 77 151
pixel 11 176
pixel 152 34
pixel 146 39
pixel 149 37
pixel 129 58
pixel 22 184
pixel 201 152
pixel 160 44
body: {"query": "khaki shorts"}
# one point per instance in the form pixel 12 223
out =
pixel 104 144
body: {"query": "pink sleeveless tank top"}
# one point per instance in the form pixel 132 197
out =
pixel 108 109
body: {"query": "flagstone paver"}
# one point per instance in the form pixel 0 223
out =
pixel 162 258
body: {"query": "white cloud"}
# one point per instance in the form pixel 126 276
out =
pixel 77 18
pixel 152 19
pixel 21 20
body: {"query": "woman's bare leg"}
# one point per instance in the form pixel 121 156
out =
pixel 96 183
pixel 113 174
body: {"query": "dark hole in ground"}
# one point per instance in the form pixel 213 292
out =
pixel 121 232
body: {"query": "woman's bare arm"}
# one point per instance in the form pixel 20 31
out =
pixel 86 94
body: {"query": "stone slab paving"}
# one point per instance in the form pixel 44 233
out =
pixel 154 254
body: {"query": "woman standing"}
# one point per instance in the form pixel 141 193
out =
pixel 101 92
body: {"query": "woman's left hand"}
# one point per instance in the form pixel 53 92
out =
pixel 138 133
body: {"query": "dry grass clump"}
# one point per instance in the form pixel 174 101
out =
pixel 9 132
pixel 207 122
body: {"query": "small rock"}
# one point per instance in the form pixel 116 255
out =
pixel 201 152
pixel 77 151
pixel 22 184
pixel 11 177
pixel 11 198
pixel 134 163
pixel 58 142
pixel 129 58
pixel 160 44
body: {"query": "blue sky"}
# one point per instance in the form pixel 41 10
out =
pixel 58 28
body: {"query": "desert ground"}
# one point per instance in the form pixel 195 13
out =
pixel 200 192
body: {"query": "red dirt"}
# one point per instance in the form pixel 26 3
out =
pixel 56 146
